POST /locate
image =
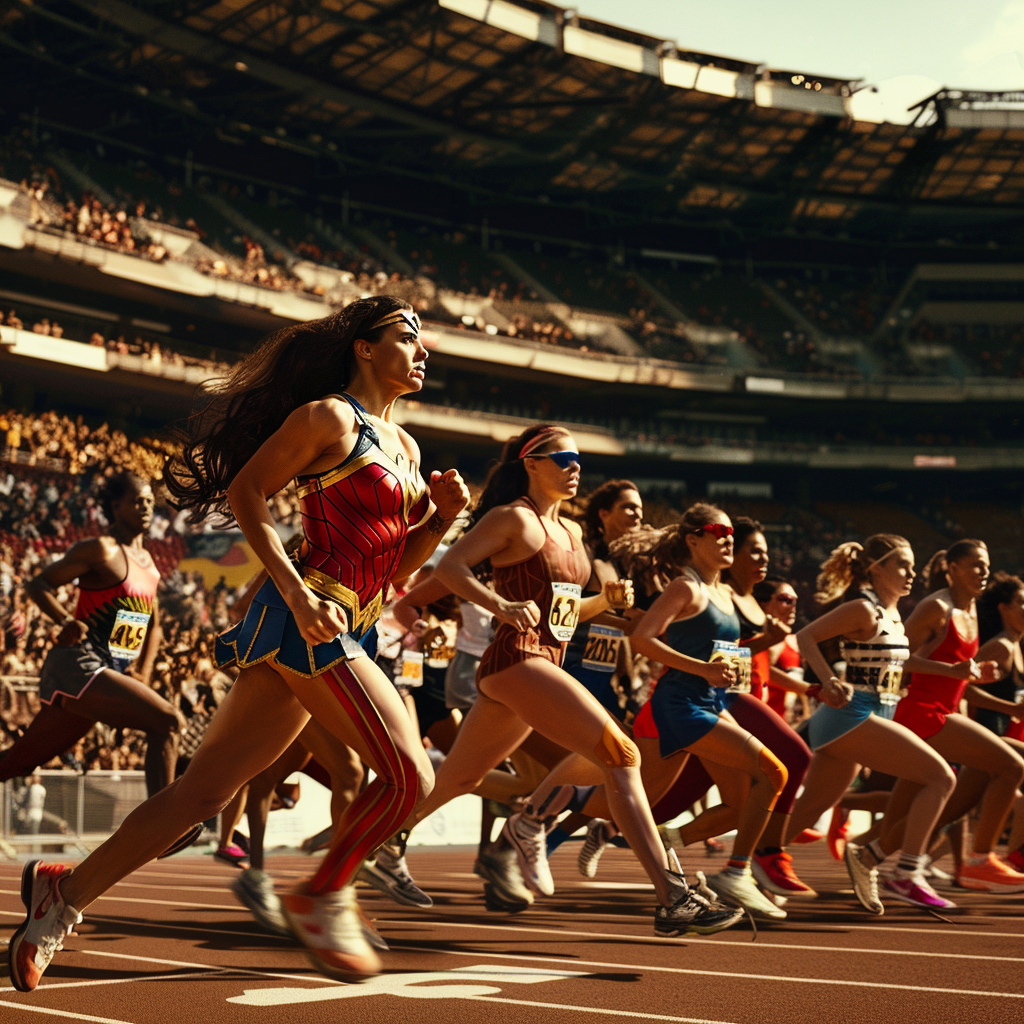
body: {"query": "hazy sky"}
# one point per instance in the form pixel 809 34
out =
pixel 909 48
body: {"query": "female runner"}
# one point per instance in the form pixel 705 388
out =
pixel 113 628
pixel 278 417
pixel 539 567
pixel 778 600
pixel 674 785
pixel 1000 705
pixel 944 629
pixel 869 582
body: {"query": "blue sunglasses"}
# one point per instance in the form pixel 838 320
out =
pixel 561 459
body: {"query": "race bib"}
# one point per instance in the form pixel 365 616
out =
pixel 602 651
pixel 740 659
pixel 128 634
pixel 890 682
pixel 412 669
pixel 564 616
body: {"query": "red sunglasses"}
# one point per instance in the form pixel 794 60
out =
pixel 719 530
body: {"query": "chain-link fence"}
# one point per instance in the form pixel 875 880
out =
pixel 64 807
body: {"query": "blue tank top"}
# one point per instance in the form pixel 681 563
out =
pixel 695 637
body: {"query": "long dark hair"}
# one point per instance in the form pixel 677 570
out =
pixel 507 479
pixel 602 500
pixel 1000 590
pixel 296 365
pixel 935 572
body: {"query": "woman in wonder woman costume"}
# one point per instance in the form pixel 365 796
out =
pixel 314 402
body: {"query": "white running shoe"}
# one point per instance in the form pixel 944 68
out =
pixel 255 889
pixel 864 879
pixel 526 836
pixel 499 868
pixel 331 930
pixel 599 834
pixel 738 889
pixel 48 922
pixel 390 874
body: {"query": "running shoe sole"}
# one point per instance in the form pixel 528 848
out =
pixel 496 903
pixel 258 911
pixel 764 881
pixel 380 880
pixel 850 854
pixel 497 882
pixel 977 885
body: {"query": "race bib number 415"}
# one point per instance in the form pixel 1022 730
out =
pixel 128 634
pixel 564 616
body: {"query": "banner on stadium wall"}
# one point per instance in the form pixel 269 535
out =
pixel 739 489
pixel 226 554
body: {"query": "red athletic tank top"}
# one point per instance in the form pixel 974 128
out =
pixel 119 616
pixel 553 578
pixel 356 518
pixel 943 691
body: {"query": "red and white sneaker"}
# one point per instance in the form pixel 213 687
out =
pixel 48 922
pixel 331 929
pixel 774 872
pixel 991 875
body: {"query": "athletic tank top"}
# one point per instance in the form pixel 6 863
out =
pixel 1011 688
pixel 696 637
pixel 118 617
pixel 943 691
pixel 760 663
pixel 553 578
pixel 877 664
pixel 594 646
pixel 356 518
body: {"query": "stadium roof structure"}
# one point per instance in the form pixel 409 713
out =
pixel 492 106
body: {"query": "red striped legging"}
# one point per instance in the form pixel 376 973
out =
pixel 379 811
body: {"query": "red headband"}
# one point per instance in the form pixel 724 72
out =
pixel 538 439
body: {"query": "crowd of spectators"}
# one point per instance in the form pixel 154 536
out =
pixel 840 304
pixel 49 475
pixel 994 349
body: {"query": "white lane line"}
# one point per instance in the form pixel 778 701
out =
pixel 197 929
pixel 49 987
pixel 156 903
pixel 591 1009
pixel 716 974
pixel 773 947
pixel 64 1014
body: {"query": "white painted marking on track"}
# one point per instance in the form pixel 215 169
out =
pixel 465 982
pixel 594 1009
pixel 64 1014
pixel 156 903
pixel 773 947
pixel 716 974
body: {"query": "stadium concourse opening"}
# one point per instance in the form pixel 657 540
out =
pixel 647 392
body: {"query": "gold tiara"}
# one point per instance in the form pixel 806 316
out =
pixel 399 316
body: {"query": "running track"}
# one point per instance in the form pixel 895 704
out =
pixel 171 944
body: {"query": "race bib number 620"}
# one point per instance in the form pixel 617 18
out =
pixel 564 616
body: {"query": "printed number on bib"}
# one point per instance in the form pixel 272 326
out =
pixel 565 610
pixel 890 682
pixel 602 651
pixel 128 634
pixel 412 669
pixel 739 658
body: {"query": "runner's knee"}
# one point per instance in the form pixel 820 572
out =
pixel 616 749
pixel 772 770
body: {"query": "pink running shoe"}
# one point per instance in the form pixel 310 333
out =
pixel 48 922
pixel 917 892
pixel 232 854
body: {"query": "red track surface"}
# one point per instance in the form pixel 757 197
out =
pixel 171 944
